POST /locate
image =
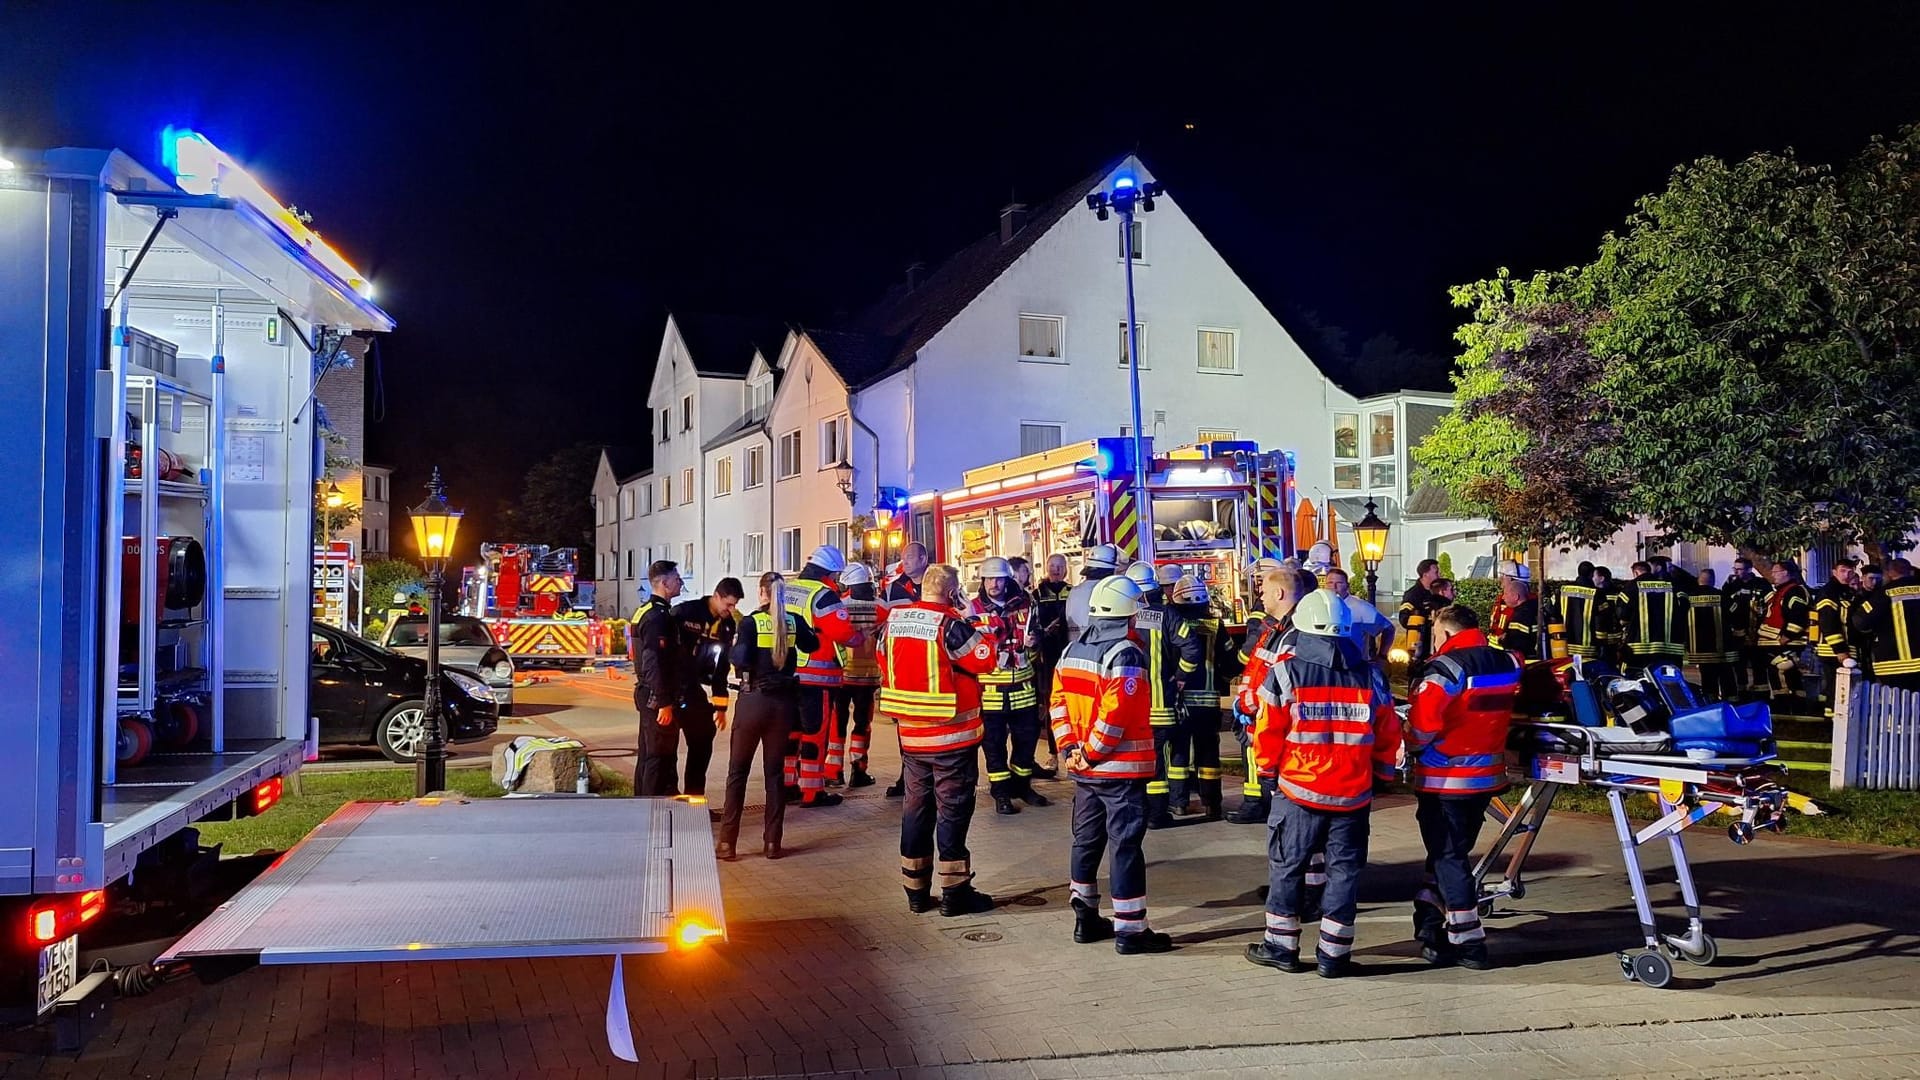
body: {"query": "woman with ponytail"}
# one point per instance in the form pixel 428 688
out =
pixel 766 705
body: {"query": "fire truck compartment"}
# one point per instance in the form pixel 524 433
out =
pixel 170 790
pixel 452 879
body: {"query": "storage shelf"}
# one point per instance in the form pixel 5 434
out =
pixel 170 489
pixel 167 385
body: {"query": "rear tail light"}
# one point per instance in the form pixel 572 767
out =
pixel 265 794
pixel 51 920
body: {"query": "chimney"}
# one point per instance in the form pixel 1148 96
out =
pixel 1013 217
pixel 916 274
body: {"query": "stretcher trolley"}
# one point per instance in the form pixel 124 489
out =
pixel 1648 735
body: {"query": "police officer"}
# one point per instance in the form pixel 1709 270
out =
pixel 765 656
pixel 660 675
pixel 706 626
pixel 1173 654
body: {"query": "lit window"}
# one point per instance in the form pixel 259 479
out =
pixel 834 534
pixel 1380 475
pixel 833 442
pixel 790 550
pixel 1043 337
pixel 1346 477
pixel 756 466
pixel 686 485
pixel 1217 348
pixel 756 553
pixel 723 475
pixel 1380 435
pixel 666 492
pixel 789 459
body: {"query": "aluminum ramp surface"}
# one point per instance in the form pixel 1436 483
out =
pixel 486 878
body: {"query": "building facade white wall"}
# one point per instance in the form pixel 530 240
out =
pixel 812 408
pixel 688 408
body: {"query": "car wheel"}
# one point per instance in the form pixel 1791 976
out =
pixel 403 731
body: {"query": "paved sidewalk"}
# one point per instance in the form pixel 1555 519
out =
pixel 827 973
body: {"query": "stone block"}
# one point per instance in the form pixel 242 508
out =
pixel 550 770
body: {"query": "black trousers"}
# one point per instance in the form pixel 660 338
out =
pixel 1043 685
pixel 1446 909
pixel 1201 725
pixel 760 722
pixel 1010 775
pixel 658 771
pixel 1111 812
pixel 1829 674
pixel 935 820
pixel 695 721
pixel 1297 832
pixel 1720 681
pixel 853 704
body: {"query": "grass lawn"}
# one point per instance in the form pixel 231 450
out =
pixel 1856 816
pixel 323 793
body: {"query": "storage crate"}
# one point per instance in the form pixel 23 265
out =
pixel 153 353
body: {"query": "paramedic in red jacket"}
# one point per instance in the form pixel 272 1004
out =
pixel 1456 742
pixel 931 660
pixel 814 596
pixel 1327 732
pixel 1102 722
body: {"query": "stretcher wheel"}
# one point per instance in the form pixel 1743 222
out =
pixel 1486 908
pixel 1740 832
pixel 1517 890
pixel 176 724
pixel 133 741
pixel 1709 951
pixel 1652 968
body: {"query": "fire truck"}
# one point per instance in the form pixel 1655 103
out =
pixel 525 592
pixel 1210 508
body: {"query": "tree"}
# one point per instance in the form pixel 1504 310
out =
pixel 1764 316
pixel 388 577
pixel 1524 446
pixel 555 505
pixel 330 520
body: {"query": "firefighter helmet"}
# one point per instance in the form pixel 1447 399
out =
pixel 1168 574
pixel 1102 557
pixel 995 567
pixel 1319 558
pixel 857 574
pixel 1114 598
pixel 1190 590
pixel 828 558
pixel 1141 574
pixel 1515 570
pixel 1322 613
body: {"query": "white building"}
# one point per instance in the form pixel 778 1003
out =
pixel 1015 344
pixel 619 485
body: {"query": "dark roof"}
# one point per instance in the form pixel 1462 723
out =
pixel 629 461
pixel 723 345
pixel 753 421
pixel 908 319
pixel 858 358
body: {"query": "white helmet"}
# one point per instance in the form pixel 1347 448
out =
pixel 1263 567
pixel 1191 590
pixel 1168 574
pixel 1141 574
pixel 995 567
pixel 1323 613
pixel 828 558
pixel 1516 570
pixel 857 574
pixel 1319 558
pixel 1102 557
pixel 1114 598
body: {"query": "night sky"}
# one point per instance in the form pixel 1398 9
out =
pixel 531 192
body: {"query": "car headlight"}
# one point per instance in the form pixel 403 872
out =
pixel 471 686
pixel 503 671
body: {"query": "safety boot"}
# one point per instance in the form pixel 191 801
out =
pixel 1089 925
pixel 1474 957
pixel 1250 812
pixel 964 900
pixel 1145 941
pixel 920 901
pixel 1004 805
pixel 861 778
pixel 1034 798
pixel 1260 952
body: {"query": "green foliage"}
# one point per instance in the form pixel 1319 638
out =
pixel 333 463
pixel 554 507
pixel 384 578
pixel 1478 594
pixel 1446 565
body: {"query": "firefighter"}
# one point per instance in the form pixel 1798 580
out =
pixel 1009 705
pixel 1655 624
pixel 1579 605
pixel 1782 633
pixel 1870 578
pixel 1708 646
pixel 931 658
pixel 1200 697
pixel 1328 733
pixel 1280 587
pixel 1050 627
pixel 1417 606
pixel 1102 560
pixel 904 588
pixel 765 659
pixel 859 673
pixel 814 752
pixel 1889 616
pixel 1456 744
pixel 660 674
pixel 1520 609
pixel 1173 654
pixel 1831 607
pixel 1744 598
pixel 706 628
pixel 1100 713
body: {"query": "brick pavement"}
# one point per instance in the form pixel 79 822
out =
pixel 826 973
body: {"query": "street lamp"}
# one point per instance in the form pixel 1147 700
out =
pixel 435 525
pixel 332 500
pixel 1371 534
pixel 843 478
pixel 1127 196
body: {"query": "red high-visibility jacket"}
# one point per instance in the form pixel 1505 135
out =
pixel 1102 703
pixel 1264 644
pixel 930 663
pixel 1326 729
pixel 1457 727
pixel 818 605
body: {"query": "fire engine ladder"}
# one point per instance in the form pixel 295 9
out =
pixel 1267 510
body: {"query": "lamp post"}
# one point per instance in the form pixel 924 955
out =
pixel 1126 197
pixel 435 525
pixel 333 500
pixel 1371 534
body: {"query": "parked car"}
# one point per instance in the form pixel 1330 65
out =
pixel 363 693
pixel 464 642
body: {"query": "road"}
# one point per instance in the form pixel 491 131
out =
pixel 827 973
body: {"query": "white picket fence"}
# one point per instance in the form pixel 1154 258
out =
pixel 1876 735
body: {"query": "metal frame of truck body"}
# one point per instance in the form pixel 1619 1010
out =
pixel 1260 483
pixel 219 272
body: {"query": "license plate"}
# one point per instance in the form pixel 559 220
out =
pixel 59 970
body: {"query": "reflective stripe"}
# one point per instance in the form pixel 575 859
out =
pixel 1341 737
pixel 1308 797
